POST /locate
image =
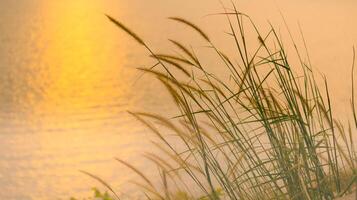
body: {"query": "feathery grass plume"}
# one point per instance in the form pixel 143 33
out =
pixel 136 171
pixel 173 63
pixel 102 182
pixel 126 29
pixel 190 24
pixel 176 58
pixel 187 52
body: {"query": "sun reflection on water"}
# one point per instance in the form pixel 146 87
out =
pixel 79 74
pixel 65 98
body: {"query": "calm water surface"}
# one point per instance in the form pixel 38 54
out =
pixel 67 79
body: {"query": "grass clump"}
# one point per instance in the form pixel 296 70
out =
pixel 264 133
pixel 97 195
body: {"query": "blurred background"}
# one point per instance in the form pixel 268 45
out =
pixel 68 77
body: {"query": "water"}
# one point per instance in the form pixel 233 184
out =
pixel 68 77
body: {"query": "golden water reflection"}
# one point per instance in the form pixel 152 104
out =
pixel 80 71
pixel 65 101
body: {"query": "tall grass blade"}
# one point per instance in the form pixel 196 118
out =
pixel 126 29
pixel 190 24
pixel 102 182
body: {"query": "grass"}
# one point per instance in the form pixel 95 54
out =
pixel 264 133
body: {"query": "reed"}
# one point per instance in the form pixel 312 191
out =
pixel 265 133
